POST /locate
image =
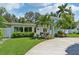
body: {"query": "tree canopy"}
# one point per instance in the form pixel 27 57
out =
pixel 67 17
pixel 2 20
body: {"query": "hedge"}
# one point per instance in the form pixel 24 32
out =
pixel 22 34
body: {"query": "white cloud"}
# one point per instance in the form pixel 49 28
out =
pixel 10 7
pixel 48 9
pixel 54 8
pixel 40 4
pixel 74 8
pixel 46 4
pixel 20 15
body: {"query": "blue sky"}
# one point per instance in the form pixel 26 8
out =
pixel 19 9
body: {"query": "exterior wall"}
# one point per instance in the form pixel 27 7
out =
pixel 10 28
pixel 8 32
pixel 77 27
pixel 24 27
pixel 40 29
pixel 33 28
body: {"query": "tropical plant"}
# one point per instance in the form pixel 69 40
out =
pixel 62 9
pixel 66 17
pixel 44 21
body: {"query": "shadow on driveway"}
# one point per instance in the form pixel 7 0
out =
pixel 73 49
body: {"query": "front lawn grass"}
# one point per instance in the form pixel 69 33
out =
pixel 73 35
pixel 17 46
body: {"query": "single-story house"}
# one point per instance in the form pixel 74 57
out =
pixel 23 27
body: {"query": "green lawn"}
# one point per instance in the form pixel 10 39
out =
pixel 17 46
pixel 72 35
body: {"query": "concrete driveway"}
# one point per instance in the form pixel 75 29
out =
pixel 57 46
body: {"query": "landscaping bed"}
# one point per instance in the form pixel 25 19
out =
pixel 18 46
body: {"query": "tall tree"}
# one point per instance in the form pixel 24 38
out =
pixel 29 15
pixel 2 11
pixel 32 16
pixel 67 17
pixel 36 15
pixel 62 9
pixel 10 18
pixel 21 20
pixel 45 21
pixel 14 18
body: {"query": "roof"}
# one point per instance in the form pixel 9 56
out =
pixel 22 24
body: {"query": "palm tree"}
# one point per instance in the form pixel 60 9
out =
pixel 45 22
pixel 62 9
pixel 66 15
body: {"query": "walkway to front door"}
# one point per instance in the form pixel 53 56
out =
pixel 57 46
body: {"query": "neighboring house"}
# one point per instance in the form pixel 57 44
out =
pixel 67 31
pixel 77 26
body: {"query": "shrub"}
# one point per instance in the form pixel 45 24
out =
pixel 60 34
pixel 22 34
pixel 49 37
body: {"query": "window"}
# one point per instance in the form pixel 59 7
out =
pixel 28 29
pixel 21 29
pixel 18 29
